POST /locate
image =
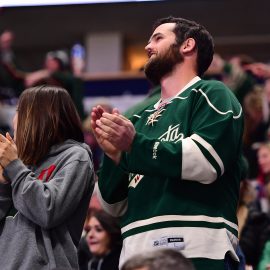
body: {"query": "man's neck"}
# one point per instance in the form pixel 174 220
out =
pixel 175 81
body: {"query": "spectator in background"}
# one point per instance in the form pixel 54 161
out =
pixel 261 70
pixel 264 176
pixel 57 72
pixel 163 259
pixel 256 229
pixel 48 177
pixel 266 105
pixel 100 248
pixel 256 126
pixel 247 196
pixel 249 81
pixel 89 136
pixel 264 263
pixel 233 73
pixel 6 43
pixel 11 81
pixel 83 249
pixel 11 77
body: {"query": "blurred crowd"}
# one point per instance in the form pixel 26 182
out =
pixel 57 70
pixel 249 80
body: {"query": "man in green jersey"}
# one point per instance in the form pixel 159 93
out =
pixel 172 170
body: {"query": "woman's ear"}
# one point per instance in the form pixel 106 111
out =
pixel 188 46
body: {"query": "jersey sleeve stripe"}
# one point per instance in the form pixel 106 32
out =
pixel 210 149
pixel 195 166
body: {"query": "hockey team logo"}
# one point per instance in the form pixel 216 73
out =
pixel 172 134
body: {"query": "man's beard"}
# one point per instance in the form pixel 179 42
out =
pixel 161 65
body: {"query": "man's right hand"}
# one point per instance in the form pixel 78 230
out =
pixel 109 149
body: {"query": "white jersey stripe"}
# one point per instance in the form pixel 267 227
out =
pixel 195 165
pixel 210 149
pixel 218 111
pixel 235 116
pixel 164 218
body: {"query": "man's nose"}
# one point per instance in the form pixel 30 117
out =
pixel 148 49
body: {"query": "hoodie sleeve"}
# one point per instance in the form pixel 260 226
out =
pixel 5 199
pixel 51 203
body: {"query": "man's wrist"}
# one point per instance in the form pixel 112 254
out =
pixel 115 157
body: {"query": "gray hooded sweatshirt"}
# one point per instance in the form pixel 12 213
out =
pixel 51 201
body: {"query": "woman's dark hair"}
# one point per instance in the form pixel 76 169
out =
pixel 46 116
pixel 185 29
pixel 110 225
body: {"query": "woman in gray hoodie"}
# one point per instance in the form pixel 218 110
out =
pixel 46 181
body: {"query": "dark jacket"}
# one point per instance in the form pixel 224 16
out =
pixel 255 234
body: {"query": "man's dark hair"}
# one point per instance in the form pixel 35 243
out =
pixel 185 29
pixel 161 259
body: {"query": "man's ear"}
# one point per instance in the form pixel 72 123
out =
pixel 188 46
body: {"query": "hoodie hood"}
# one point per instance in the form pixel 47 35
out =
pixel 58 148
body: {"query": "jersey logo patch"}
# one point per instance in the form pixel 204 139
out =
pixel 134 180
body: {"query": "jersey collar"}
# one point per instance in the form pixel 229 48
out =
pixel 168 100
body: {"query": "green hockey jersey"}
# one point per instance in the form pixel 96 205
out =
pixel 178 186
